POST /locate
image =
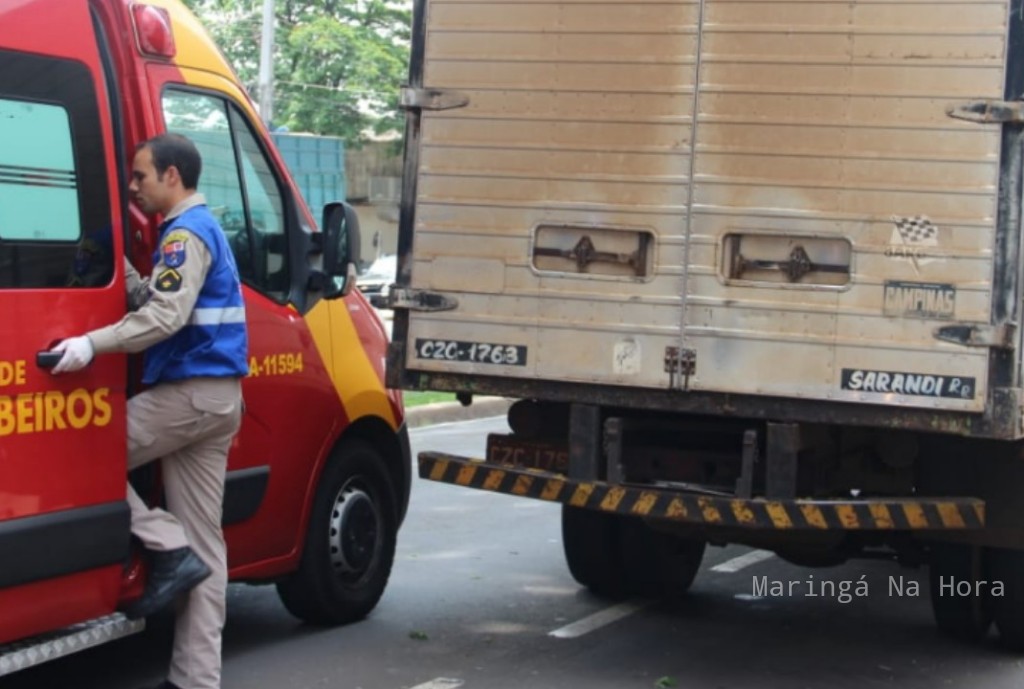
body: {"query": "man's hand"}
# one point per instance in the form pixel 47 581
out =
pixel 78 352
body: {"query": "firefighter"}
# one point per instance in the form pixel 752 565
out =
pixel 190 320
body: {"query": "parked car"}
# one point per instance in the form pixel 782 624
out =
pixel 375 282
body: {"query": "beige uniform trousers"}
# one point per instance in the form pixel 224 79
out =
pixel 189 425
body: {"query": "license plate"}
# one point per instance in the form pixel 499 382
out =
pixel 528 454
pixel 471 352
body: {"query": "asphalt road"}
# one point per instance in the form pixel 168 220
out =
pixel 480 598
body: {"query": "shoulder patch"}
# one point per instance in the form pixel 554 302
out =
pixel 172 249
pixel 177 236
pixel 168 281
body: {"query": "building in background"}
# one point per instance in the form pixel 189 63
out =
pixel 369 177
pixel 374 173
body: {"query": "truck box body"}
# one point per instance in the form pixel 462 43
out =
pixel 752 268
pixel 701 205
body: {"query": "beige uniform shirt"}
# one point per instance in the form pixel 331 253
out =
pixel 162 304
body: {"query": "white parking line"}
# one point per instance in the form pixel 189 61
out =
pixel 440 683
pixel 738 563
pixel 597 620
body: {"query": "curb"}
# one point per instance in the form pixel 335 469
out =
pixel 447 412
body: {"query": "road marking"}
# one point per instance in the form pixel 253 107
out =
pixel 440 683
pixel 597 620
pixel 738 563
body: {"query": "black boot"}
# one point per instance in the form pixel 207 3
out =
pixel 173 572
pixel 166 684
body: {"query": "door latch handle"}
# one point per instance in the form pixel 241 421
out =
pixel 48 359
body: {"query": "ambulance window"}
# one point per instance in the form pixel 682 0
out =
pixel 204 120
pixel 55 216
pixel 269 253
pixel 37 172
pixel 239 186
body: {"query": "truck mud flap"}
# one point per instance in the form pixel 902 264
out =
pixel 27 653
pixel 931 513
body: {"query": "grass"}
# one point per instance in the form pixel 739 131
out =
pixel 415 399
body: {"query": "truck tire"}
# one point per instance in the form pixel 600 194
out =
pixel 350 541
pixel 657 564
pixel 591 544
pixel 1007 566
pixel 617 556
pixel 967 618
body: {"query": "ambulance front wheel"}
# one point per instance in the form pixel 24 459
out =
pixel 350 541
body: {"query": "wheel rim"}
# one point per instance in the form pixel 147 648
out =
pixel 355 534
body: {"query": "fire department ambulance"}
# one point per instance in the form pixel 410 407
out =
pixel 318 478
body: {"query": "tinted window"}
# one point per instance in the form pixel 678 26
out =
pixel 55 221
pixel 239 185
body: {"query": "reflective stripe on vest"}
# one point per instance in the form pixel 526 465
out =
pixel 218 316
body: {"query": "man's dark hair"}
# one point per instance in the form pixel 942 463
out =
pixel 176 150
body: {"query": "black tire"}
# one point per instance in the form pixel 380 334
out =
pixel 590 541
pixel 617 556
pixel 969 617
pixel 1007 567
pixel 350 541
pixel 657 564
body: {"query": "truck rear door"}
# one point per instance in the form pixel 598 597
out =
pixel 63 519
pixel 733 197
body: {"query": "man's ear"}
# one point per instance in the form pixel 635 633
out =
pixel 172 175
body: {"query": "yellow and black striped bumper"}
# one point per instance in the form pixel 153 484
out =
pixel 872 514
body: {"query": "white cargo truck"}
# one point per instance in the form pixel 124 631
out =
pixel 753 270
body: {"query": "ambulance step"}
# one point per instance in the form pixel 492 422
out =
pixel 37 650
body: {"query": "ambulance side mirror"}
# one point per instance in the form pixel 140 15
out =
pixel 339 243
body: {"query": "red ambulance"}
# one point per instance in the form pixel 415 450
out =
pixel 318 478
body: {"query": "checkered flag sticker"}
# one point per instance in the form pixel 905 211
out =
pixel 917 230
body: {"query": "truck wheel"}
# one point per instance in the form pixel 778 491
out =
pixel 969 617
pixel 350 541
pixel 657 564
pixel 591 544
pixel 1007 567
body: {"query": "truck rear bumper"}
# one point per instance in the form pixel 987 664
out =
pixel 874 514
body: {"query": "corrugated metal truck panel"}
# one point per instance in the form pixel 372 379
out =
pixel 806 213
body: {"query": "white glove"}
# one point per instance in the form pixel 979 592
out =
pixel 78 352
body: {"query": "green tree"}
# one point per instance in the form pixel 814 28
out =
pixel 338 64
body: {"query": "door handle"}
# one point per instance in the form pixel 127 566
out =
pixel 48 359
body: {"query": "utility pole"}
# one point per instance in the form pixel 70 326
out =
pixel 266 77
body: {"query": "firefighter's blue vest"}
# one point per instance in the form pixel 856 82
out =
pixel 213 341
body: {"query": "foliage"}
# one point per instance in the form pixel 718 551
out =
pixel 418 398
pixel 338 64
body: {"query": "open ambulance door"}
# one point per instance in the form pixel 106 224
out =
pixel 64 522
